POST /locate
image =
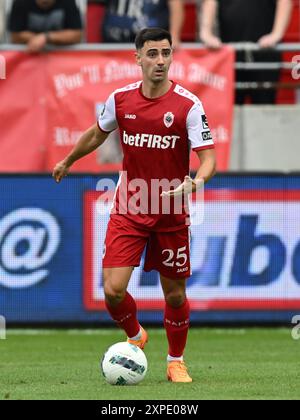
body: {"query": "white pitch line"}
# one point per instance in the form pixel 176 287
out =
pixel 31 332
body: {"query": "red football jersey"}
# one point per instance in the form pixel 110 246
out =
pixel 157 136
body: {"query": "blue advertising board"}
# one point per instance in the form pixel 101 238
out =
pixel 245 256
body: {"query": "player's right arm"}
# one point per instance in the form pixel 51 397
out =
pixel 89 141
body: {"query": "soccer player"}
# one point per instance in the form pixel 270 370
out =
pixel 159 123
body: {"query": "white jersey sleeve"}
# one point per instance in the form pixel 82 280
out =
pixel 107 120
pixel 198 130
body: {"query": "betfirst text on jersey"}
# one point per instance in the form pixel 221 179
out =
pixel 150 141
pixel 245 256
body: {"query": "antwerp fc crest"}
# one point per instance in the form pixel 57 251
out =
pixel 168 119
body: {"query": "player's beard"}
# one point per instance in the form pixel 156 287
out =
pixel 159 76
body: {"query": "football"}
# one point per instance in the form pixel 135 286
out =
pixel 124 364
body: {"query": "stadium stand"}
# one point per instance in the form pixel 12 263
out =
pixel 95 15
pixel 7 4
pixel 2 20
pixel 288 96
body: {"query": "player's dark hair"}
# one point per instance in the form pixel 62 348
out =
pixel 151 34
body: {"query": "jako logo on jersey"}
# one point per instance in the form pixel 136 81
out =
pixel 29 238
pixel 182 270
pixel 130 116
pixel 168 119
pixel 152 141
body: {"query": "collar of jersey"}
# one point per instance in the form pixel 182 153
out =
pixel 159 98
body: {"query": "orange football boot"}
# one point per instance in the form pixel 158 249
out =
pixel 177 372
pixel 142 341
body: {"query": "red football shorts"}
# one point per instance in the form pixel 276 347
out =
pixel 167 252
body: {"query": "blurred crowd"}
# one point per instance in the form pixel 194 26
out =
pixel 38 23
pixel 2 20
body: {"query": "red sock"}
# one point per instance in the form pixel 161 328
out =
pixel 176 323
pixel 125 315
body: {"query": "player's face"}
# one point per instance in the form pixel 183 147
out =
pixel 155 59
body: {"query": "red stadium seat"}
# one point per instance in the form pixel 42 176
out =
pixel 293 31
pixel 189 30
pixel 95 15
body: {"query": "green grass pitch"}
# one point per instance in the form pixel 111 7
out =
pixel 224 363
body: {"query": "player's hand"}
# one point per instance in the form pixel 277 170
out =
pixel 60 171
pixel 187 187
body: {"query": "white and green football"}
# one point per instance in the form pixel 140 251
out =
pixel 124 364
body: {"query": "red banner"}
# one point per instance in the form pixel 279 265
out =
pixel 23 114
pixel 47 101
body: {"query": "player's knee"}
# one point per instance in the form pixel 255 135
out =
pixel 113 295
pixel 175 299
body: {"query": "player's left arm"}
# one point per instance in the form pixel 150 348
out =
pixel 208 165
pixel 206 171
pixel 201 141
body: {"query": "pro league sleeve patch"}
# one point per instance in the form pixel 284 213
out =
pixel 204 122
pixel 206 135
